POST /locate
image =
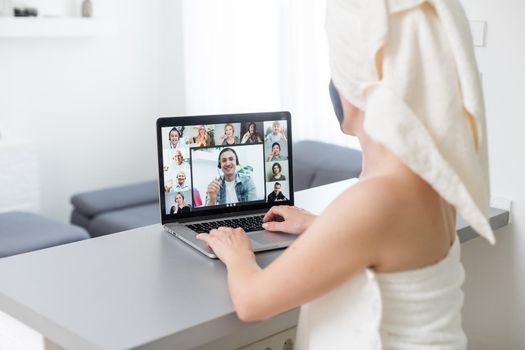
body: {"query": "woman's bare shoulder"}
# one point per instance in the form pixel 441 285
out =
pixel 401 219
pixel 374 203
pixel 356 221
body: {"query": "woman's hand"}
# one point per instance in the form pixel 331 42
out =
pixel 287 219
pixel 229 244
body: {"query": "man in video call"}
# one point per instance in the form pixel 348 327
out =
pixel 232 186
pixel 276 153
pixel 276 195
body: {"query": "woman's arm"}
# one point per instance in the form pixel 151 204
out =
pixel 283 133
pixel 338 244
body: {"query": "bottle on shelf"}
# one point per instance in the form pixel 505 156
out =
pixel 87 8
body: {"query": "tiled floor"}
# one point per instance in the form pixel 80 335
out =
pixel 17 336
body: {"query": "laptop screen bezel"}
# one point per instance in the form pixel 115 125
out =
pixel 163 122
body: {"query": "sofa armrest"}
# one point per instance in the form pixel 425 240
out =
pixel 318 163
pixel 92 203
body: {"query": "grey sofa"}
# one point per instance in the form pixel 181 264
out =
pixel 22 232
pixel 126 207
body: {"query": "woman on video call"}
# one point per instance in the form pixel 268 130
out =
pixel 277 173
pixel 229 138
pixel 380 267
pixel 202 139
pixel 251 135
pixel 276 134
pixel 180 205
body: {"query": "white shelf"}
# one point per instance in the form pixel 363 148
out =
pixel 35 27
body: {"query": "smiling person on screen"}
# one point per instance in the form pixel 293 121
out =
pixel 232 186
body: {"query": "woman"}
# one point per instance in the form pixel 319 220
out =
pixel 178 158
pixel 228 138
pixel 276 173
pixel 277 134
pixel 380 267
pixel 251 135
pixel 180 206
pixel 202 139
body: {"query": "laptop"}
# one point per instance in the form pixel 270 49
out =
pixel 224 170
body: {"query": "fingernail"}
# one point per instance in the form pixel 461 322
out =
pixel 265 225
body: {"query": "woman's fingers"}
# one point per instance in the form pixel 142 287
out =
pixel 221 234
pixel 276 212
pixel 275 226
pixel 228 243
pixel 204 237
pixel 287 219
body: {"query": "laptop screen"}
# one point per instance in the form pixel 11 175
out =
pixel 224 164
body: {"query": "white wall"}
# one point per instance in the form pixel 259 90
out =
pixel 231 55
pixel 90 104
pixel 251 55
pixel 172 95
pixel 494 313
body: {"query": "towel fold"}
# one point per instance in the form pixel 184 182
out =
pixel 410 65
pixel 416 309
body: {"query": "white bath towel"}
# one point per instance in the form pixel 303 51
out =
pixel 417 310
pixel 410 65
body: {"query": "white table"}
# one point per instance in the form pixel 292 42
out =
pixel 137 289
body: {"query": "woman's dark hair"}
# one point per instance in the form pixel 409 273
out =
pixel 277 165
pixel 276 143
pixel 254 127
pixel 227 149
pixel 177 130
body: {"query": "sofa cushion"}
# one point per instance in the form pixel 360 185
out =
pixel 93 203
pixel 22 232
pixel 79 219
pixel 124 219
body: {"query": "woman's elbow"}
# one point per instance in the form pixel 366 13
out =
pixel 248 312
pixel 245 315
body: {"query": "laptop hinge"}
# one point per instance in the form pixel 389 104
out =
pixel 220 216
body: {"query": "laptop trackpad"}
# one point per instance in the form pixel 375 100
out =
pixel 265 239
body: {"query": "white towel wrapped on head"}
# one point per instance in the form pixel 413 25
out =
pixel 409 64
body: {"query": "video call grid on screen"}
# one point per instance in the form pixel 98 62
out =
pixel 190 162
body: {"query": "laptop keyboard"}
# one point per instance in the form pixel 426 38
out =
pixel 249 224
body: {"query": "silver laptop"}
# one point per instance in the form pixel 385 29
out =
pixel 224 170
